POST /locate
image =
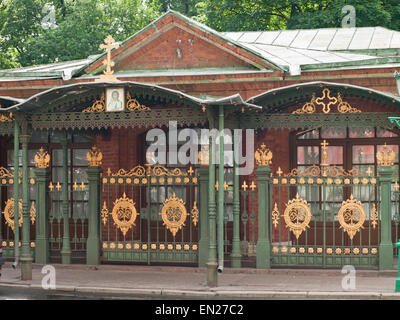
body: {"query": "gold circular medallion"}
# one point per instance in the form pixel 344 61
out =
pixel 351 216
pixel 174 214
pixel 297 216
pixel 9 213
pixel 124 213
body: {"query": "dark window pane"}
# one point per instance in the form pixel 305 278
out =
pixel 363 154
pixel 308 155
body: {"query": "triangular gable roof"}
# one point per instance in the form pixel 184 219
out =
pixel 174 19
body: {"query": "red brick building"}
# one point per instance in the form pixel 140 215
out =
pixel 296 88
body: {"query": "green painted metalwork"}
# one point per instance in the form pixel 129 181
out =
pixel 66 246
pixel 93 241
pixel 16 188
pixel 397 288
pixel 221 180
pixel 42 220
pixel 26 258
pixel 204 237
pixel 263 258
pixel 212 275
pixel 259 120
pixel 236 255
pixel 386 245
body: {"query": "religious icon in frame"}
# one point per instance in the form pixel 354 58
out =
pixel 115 99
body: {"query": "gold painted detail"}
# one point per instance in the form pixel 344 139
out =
pixel 331 171
pixel 104 213
pixel 297 216
pixel 174 214
pixel 204 156
pixel 124 213
pixel 311 106
pixel 94 157
pixel 97 106
pixel 9 213
pixel 351 216
pixel 263 156
pixel 374 216
pixel 154 171
pixel 32 212
pixel 275 216
pixel 109 43
pixel 42 159
pixel 4 118
pixel 195 214
pixel 5 173
pixel 133 105
pixel 385 157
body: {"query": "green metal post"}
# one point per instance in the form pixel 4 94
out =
pixel 212 275
pixel 16 192
pixel 263 258
pixel 42 220
pixel 26 257
pixel 66 246
pixel 236 255
pixel 386 245
pixel 203 223
pixel 93 241
pixel 221 191
pixel 398 273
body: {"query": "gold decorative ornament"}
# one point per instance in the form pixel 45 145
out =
pixel 4 118
pixel 124 213
pixel 174 214
pixel 329 251
pixel 275 250
pixel 302 250
pixel 284 250
pixel 97 106
pixel 338 251
pixel 310 250
pixel 204 155
pixel 351 216
pixel 275 215
pixel 42 159
pixel 365 251
pixel 32 212
pixel 107 75
pixel 5 173
pixel 195 214
pixel 94 157
pixel 9 213
pixel 104 213
pixel 195 247
pixel 347 251
pixel 342 107
pixel 297 216
pixel 374 251
pixel 356 251
pixel 263 156
pixel 133 105
pixel 385 157
pixel 292 250
pixel 374 216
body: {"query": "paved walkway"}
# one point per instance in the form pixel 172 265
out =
pixel 179 281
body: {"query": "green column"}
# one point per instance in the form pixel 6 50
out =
pixel 221 191
pixel 203 222
pixel 42 218
pixel 93 241
pixel 263 258
pixel 66 246
pixel 16 192
pixel 212 276
pixel 398 273
pixel 386 245
pixel 236 255
pixel 26 258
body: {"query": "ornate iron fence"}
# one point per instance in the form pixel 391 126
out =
pixel 150 214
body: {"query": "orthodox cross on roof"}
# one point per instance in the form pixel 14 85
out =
pixel 108 73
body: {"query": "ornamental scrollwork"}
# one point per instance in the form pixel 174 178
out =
pixel 195 214
pixel 94 157
pixel 98 105
pixel 351 216
pixel 5 173
pixel 133 105
pixel 9 213
pixel 124 213
pixel 42 159
pixel 174 214
pixel 326 101
pixel 263 156
pixel 386 157
pixel 297 216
